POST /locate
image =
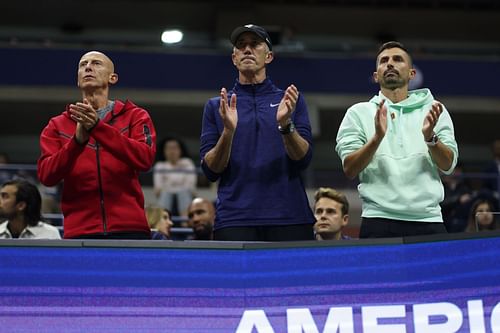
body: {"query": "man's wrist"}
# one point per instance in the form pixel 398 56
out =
pixel 287 129
pixel 228 132
pixel 83 143
pixel 377 138
pixel 91 128
pixel 432 141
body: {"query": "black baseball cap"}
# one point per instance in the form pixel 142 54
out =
pixel 259 31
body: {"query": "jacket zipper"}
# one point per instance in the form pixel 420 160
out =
pixel 101 193
pixel 257 127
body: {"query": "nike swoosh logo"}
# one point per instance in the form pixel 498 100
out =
pixel 273 105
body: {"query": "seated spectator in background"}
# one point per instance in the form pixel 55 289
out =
pixel 9 171
pixel 51 199
pixel 20 204
pixel 5 174
pixel 97 147
pixel 50 195
pixel 481 217
pixel 174 176
pixel 4 158
pixel 331 210
pixel 457 199
pixel 159 220
pixel 201 215
pixel 493 168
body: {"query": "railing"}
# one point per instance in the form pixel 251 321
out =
pixel 177 233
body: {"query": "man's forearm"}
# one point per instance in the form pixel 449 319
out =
pixel 442 156
pixel 357 161
pixel 217 158
pixel 296 146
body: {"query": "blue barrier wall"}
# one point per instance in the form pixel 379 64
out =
pixel 355 286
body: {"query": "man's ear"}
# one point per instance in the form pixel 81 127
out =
pixel 21 206
pixel 345 220
pixel 375 77
pixel 413 73
pixel 233 58
pixel 269 57
pixel 113 78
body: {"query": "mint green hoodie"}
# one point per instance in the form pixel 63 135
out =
pixel 402 181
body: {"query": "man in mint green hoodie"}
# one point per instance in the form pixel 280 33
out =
pixel 397 143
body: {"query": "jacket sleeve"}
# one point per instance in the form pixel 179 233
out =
pixel 209 136
pixel 138 149
pixel 350 136
pixel 445 131
pixel 56 159
pixel 303 127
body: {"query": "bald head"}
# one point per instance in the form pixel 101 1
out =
pixel 203 201
pixel 99 55
pixel 96 72
pixel 201 213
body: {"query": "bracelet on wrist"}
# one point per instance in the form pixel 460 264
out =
pixel 433 140
pixel 287 129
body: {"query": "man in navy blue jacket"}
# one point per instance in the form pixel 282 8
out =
pixel 256 140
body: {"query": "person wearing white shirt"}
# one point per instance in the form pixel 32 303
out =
pixel 174 176
pixel 20 205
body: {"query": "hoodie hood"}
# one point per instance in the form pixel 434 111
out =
pixel 416 99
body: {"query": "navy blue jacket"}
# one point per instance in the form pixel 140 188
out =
pixel 261 185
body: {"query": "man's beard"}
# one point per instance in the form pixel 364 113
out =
pixel 4 216
pixel 204 233
pixel 393 81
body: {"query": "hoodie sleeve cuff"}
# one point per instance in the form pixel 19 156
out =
pixel 212 176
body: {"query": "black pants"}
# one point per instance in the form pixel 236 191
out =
pixel 116 235
pixel 273 233
pixel 380 228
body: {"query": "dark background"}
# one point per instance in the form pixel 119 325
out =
pixel 330 57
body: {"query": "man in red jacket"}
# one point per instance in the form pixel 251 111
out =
pixel 98 147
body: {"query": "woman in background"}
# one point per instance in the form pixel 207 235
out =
pixel 159 221
pixel 481 216
pixel 174 176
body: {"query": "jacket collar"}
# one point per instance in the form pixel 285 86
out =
pixel 263 87
pixel 4 231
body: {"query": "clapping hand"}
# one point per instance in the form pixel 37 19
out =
pixel 228 112
pixel 287 105
pixel 431 119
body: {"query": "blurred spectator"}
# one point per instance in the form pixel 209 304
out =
pixel 4 158
pixel 51 199
pixel 50 195
pixel 331 210
pixel 5 174
pixel 457 199
pixel 201 218
pixel 9 171
pixel 481 216
pixel 288 41
pixel 20 205
pixel 493 168
pixel 174 176
pixel 159 220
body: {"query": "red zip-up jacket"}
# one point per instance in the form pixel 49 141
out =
pixel 101 190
